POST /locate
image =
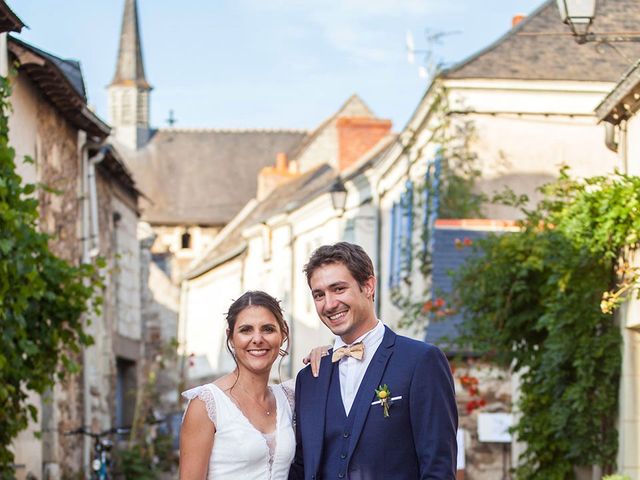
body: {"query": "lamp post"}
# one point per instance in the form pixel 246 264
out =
pixel 579 15
pixel 338 195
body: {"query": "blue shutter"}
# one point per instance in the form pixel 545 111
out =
pixel 436 166
pixel 407 229
pixel 426 209
pixel 397 240
pixel 392 256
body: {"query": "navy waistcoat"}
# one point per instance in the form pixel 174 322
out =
pixel 337 432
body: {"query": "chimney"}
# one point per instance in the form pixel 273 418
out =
pixel 358 135
pixel 271 178
pixel 282 163
pixel 517 18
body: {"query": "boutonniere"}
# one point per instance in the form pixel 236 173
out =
pixel 384 395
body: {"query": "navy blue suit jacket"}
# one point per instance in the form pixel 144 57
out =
pixel 416 441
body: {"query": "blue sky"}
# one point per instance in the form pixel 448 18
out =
pixel 268 63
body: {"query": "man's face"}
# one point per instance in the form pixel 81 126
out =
pixel 343 305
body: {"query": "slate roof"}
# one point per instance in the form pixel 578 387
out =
pixel 61 82
pixel 447 259
pixel 284 198
pixel 541 48
pixel 612 108
pixel 183 171
pixel 70 68
pixel 9 21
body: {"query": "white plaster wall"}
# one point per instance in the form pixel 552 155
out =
pixel 207 300
pixel 629 407
pixel 525 152
pixel 633 145
pixel 23 137
pixel 23 126
pixel 525 96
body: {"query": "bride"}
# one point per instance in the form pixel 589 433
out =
pixel 239 426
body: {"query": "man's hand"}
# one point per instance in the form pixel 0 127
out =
pixel 314 358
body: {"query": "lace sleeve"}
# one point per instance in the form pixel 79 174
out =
pixel 206 396
pixel 288 388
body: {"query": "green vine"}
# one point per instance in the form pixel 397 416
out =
pixel 538 301
pixel 42 302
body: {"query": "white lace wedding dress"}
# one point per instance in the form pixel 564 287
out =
pixel 240 451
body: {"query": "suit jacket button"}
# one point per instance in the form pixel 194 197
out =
pixel 341 475
pixel 345 434
pixel 343 456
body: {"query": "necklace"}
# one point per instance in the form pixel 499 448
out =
pixel 266 410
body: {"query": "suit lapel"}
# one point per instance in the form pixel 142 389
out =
pixel 370 382
pixel 316 410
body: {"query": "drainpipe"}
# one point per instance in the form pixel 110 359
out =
pixel 623 147
pixel 292 303
pixel 93 201
pixel 378 240
pixel 90 245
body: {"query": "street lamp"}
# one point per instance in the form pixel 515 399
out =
pixel 338 195
pixel 579 15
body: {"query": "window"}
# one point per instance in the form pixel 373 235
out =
pixel 185 240
pixel 125 391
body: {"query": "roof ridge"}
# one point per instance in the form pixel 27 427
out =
pixel 232 130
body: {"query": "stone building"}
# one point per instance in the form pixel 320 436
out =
pixel 95 214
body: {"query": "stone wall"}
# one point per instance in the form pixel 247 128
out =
pixel 483 460
pixel 58 167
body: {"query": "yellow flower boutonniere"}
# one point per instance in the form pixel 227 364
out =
pixel 384 395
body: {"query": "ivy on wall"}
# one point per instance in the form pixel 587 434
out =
pixel 42 301
pixel 540 301
pixel 448 190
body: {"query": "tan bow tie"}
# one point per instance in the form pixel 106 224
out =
pixel 356 351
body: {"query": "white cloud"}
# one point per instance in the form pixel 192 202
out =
pixel 358 28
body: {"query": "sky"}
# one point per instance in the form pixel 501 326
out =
pixel 269 63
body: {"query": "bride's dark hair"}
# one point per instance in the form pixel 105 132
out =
pixel 256 298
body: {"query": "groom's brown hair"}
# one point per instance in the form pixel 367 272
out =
pixel 350 255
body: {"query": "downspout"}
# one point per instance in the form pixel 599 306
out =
pixel 378 240
pixel 93 201
pixel 292 291
pixel 89 234
pixel 623 147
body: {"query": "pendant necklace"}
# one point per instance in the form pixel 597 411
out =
pixel 268 412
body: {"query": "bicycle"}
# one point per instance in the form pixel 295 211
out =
pixel 101 450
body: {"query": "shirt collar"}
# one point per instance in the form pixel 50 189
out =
pixel 369 338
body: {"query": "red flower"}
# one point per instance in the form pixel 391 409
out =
pixel 467 242
pixel 439 303
pixel 427 307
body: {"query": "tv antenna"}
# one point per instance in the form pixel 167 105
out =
pixel 429 64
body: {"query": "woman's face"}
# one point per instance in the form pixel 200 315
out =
pixel 257 339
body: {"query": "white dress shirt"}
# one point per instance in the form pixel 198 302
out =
pixel 352 370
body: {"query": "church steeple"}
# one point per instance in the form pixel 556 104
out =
pixel 129 89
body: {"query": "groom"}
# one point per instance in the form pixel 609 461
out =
pixel 348 425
